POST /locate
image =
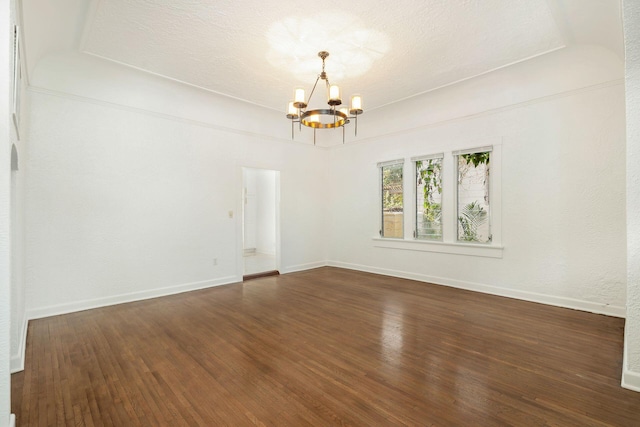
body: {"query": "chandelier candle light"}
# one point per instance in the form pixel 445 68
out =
pixel 323 118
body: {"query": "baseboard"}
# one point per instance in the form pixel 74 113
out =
pixel 302 267
pixel 17 360
pixel 609 310
pixel 12 420
pixel 631 380
pixel 55 310
pixel 576 304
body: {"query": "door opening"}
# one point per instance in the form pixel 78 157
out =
pixel 259 222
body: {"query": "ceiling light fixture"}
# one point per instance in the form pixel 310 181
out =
pixel 323 118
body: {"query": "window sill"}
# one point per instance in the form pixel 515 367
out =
pixel 488 251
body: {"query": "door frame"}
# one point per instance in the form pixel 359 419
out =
pixel 240 216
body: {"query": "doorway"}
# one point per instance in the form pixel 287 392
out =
pixel 260 214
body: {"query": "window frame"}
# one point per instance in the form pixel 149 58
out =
pixel 414 161
pixel 456 154
pixel 381 166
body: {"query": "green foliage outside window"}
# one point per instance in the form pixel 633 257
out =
pixel 477 159
pixel 472 215
pixel 430 177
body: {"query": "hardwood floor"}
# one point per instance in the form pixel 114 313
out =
pixel 325 347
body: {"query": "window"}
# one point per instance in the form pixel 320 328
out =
pixel 453 200
pixel 392 199
pixel 473 208
pixel 428 197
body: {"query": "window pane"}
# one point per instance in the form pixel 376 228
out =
pixel 429 199
pixel 392 201
pixel 473 197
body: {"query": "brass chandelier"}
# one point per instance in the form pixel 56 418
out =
pixel 323 118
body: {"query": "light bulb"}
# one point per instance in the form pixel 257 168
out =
pixel 334 93
pixel 356 103
pixel 298 98
pixel 292 111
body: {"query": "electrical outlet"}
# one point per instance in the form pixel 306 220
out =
pixel 215 261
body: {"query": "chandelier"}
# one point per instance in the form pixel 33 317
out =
pixel 323 118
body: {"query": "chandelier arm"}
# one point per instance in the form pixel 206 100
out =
pixel 312 90
pixel 328 86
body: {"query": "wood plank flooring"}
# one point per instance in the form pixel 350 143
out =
pixel 325 347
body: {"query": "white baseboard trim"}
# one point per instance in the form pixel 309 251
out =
pixel 564 302
pixel 12 420
pixel 55 310
pixel 631 380
pixel 302 267
pixel 17 360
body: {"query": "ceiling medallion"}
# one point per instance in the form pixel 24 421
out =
pixel 323 118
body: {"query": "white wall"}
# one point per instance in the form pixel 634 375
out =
pixel 18 179
pixel 91 78
pixel 18 287
pixel 631 369
pixel 250 209
pixel 260 210
pixel 266 211
pixel 563 180
pixel 11 287
pixel 125 204
pixel 5 173
pixel 569 69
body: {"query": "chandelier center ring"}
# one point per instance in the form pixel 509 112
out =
pixel 340 118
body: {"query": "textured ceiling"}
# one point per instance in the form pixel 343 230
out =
pixel 259 51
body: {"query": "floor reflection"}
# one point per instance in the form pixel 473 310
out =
pixel 391 339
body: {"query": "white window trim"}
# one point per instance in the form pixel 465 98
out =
pixel 480 249
pixel 391 163
pixel 427 157
pixel 449 244
pixel 414 210
pixel 485 149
